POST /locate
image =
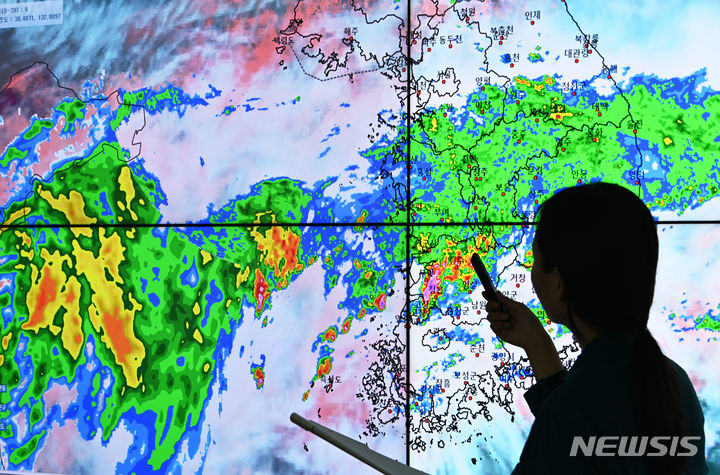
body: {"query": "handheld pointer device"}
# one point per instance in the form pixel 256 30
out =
pixel 482 272
pixel 355 448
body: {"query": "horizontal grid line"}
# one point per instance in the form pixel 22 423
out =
pixel 303 225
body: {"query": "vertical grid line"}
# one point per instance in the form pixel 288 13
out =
pixel 407 235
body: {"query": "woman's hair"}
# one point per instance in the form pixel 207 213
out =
pixel 603 240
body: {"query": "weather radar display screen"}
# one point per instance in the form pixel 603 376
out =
pixel 213 214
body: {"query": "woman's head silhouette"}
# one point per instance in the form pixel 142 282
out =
pixel 597 249
pixel 600 239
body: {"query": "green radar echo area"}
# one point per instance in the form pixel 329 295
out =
pixel 508 149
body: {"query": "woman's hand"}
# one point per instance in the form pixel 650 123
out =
pixel 520 326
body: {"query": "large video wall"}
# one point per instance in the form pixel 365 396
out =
pixel 215 214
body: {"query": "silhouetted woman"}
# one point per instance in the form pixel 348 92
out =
pixel 595 256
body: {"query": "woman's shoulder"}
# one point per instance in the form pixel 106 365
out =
pixel 682 375
pixel 604 400
pixel 689 395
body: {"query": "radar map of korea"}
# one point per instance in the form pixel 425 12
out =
pixel 215 214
